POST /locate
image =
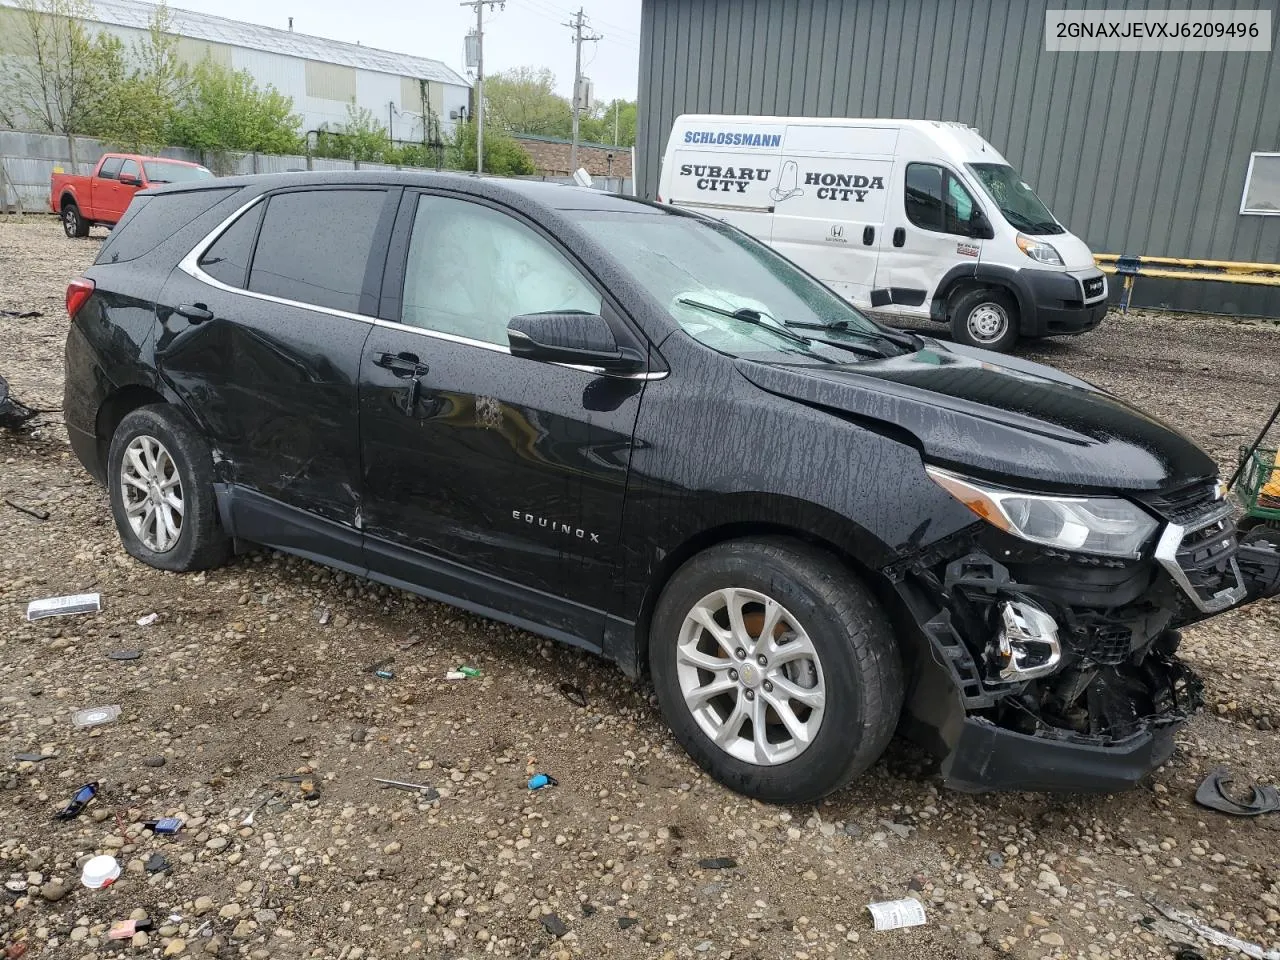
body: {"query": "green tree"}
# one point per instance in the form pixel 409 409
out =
pixel 503 156
pixel 524 100
pixel 223 110
pixel 54 75
pixel 599 126
pixel 362 137
pixel 136 111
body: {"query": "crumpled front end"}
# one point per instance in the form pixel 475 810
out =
pixel 1052 670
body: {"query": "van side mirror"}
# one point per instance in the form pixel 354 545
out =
pixel 979 226
pixel 583 338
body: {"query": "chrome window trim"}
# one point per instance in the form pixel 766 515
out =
pixel 190 265
pixel 721 206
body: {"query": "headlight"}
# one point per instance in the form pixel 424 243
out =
pixel 1039 251
pixel 1103 525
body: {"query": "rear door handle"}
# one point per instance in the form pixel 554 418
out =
pixel 195 312
pixel 403 365
pixel 899 237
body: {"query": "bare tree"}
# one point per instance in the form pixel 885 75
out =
pixel 52 71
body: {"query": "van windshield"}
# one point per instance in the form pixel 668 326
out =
pixel 1017 201
pixel 704 272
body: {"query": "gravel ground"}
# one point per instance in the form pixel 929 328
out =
pixel 243 678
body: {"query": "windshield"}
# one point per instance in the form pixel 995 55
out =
pixel 705 271
pixel 158 171
pixel 1017 201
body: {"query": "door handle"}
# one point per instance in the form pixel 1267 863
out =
pixel 195 312
pixel 403 365
pixel 868 236
pixel 899 237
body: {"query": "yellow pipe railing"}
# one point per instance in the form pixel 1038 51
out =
pixel 1183 268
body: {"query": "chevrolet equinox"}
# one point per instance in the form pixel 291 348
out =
pixel 637 430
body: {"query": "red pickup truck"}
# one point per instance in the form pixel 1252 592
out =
pixel 104 195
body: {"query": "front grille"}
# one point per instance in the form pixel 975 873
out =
pixel 1185 505
pixel 1093 287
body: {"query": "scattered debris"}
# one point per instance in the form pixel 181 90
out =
pixel 82 798
pixel 100 872
pixel 95 716
pixel 1212 793
pixel 470 672
pixel 1212 935
pixel 125 929
pixel 34 757
pixel 382 669
pixel 29 511
pixel 455 675
pixel 13 414
pixel 156 863
pixel 248 820
pixel 540 780
pixel 428 792
pixel 323 617
pixel 554 925
pixel 148 620
pixel 1188 953
pixel 124 655
pixel 573 694
pixel 64 606
pixel 718 863
pixel 165 826
pixel 895 914
pixel 21 314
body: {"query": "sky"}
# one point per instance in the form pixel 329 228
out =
pixel 525 33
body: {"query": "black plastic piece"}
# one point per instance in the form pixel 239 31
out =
pixel 1212 793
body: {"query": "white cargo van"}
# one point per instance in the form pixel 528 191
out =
pixel 917 218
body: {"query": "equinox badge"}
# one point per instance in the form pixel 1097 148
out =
pixel 563 528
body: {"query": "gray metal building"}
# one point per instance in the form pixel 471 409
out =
pixel 1137 153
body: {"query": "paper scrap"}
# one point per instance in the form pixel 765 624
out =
pixel 894 914
pixel 64 606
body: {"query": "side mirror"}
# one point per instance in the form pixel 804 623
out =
pixel 979 226
pixel 128 179
pixel 583 338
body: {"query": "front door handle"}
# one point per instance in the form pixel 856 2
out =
pixel 403 365
pixel 900 237
pixel 195 312
pixel 868 236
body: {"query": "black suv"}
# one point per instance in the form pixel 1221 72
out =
pixel 640 431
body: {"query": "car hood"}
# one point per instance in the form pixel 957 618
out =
pixel 1010 420
pixel 1075 254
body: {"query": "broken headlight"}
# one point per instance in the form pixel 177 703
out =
pixel 1102 525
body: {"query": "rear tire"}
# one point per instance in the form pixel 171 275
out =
pixel 73 224
pixel 985 318
pixel 850 681
pixel 160 480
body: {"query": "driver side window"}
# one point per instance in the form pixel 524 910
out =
pixel 471 269
pixel 936 200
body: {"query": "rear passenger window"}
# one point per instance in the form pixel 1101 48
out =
pixel 110 168
pixel 151 220
pixel 314 246
pixel 227 259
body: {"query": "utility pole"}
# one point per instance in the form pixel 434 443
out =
pixel 576 25
pixel 479 110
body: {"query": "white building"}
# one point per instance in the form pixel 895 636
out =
pixel 322 76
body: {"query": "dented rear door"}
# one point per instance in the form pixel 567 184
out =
pixel 272 374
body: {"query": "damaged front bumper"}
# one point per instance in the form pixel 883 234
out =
pixel 1045 670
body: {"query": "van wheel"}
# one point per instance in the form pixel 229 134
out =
pixel 985 318
pixel 160 480
pixel 73 224
pixel 776 669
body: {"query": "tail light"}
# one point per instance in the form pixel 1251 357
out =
pixel 78 291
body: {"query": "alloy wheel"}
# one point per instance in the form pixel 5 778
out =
pixel 152 490
pixel 750 676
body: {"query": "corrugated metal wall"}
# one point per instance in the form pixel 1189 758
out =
pixel 1137 153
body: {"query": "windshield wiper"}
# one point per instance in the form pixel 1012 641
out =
pixel 747 315
pixel 907 341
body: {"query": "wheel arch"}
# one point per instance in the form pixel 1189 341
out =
pixel 68 198
pixel 843 545
pixel 961 279
pixel 115 407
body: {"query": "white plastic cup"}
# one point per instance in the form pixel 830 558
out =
pixel 100 872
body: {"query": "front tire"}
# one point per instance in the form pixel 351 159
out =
pixel 776 669
pixel 985 318
pixel 160 480
pixel 73 223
